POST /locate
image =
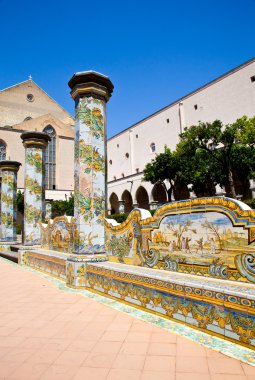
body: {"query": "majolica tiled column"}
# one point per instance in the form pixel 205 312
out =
pixel 34 189
pixel 91 91
pixel 9 200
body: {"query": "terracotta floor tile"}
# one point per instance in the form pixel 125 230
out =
pixel 59 372
pixel 159 363
pixel 56 344
pixel 162 375
pixel 4 351
pixel 56 335
pixel 114 336
pixel 129 362
pixel 99 360
pixel 107 347
pixel 6 369
pixel 17 355
pixel 90 373
pixel 134 348
pixel 190 349
pixel 120 374
pixel 225 366
pixel 26 371
pixel 44 356
pixel 11 341
pixel 167 349
pixel 74 358
pixel 138 337
pixel 224 376
pixel 192 376
pixel 248 369
pixel 162 337
pixel 192 364
pixel 34 343
pixel 81 345
pixel 214 354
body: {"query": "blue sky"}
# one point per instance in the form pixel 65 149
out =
pixel 153 51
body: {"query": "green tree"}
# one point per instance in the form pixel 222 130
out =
pixel 163 168
pixel 20 202
pixel 218 153
pixel 66 207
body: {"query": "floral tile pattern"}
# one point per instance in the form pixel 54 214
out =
pixel 8 205
pixel 89 195
pixel 33 194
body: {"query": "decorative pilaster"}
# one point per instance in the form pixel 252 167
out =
pixel 34 189
pixel 91 91
pixel 9 200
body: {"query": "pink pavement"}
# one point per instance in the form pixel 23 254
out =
pixel 46 334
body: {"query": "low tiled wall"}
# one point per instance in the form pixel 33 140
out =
pixel 51 264
pixel 217 308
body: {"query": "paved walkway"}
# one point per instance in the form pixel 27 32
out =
pixel 46 333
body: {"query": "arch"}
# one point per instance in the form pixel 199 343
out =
pixel 114 203
pixel 2 150
pixel 142 198
pixel 50 159
pixel 159 193
pixel 127 197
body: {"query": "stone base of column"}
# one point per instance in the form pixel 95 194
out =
pixel 76 268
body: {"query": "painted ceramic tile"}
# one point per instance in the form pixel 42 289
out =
pixel 33 195
pixel 210 237
pixel 89 175
pixel 8 205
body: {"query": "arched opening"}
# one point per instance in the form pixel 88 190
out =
pixel 126 196
pixel 50 159
pixel 2 150
pixel 159 193
pixel 114 203
pixel 142 198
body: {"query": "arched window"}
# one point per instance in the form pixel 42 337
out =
pixel 2 150
pixel 50 159
pixel 153 147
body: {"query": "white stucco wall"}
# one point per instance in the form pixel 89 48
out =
pixel 227 98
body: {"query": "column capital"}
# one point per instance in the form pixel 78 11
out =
pixel 37 139
pixel 10 165
pixel 90 83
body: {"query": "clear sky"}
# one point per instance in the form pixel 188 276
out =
pixel 153 51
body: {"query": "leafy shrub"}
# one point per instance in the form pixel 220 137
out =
pixel 19 228
pixel 250 202
pixel 60 208
pixel 118 217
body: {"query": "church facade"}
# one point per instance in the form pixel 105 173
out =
pixel 26 107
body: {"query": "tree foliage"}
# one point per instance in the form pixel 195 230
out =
pixel 163 167
pixel 209 154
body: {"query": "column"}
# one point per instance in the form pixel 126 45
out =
pixel 34 188
pixel 9 200
pixel 122 207
pixel 90 91
pixel 48 209
pixel 153 205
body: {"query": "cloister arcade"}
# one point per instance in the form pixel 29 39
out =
pixel 145 196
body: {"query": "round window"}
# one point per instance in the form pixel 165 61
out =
pixel 30 97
